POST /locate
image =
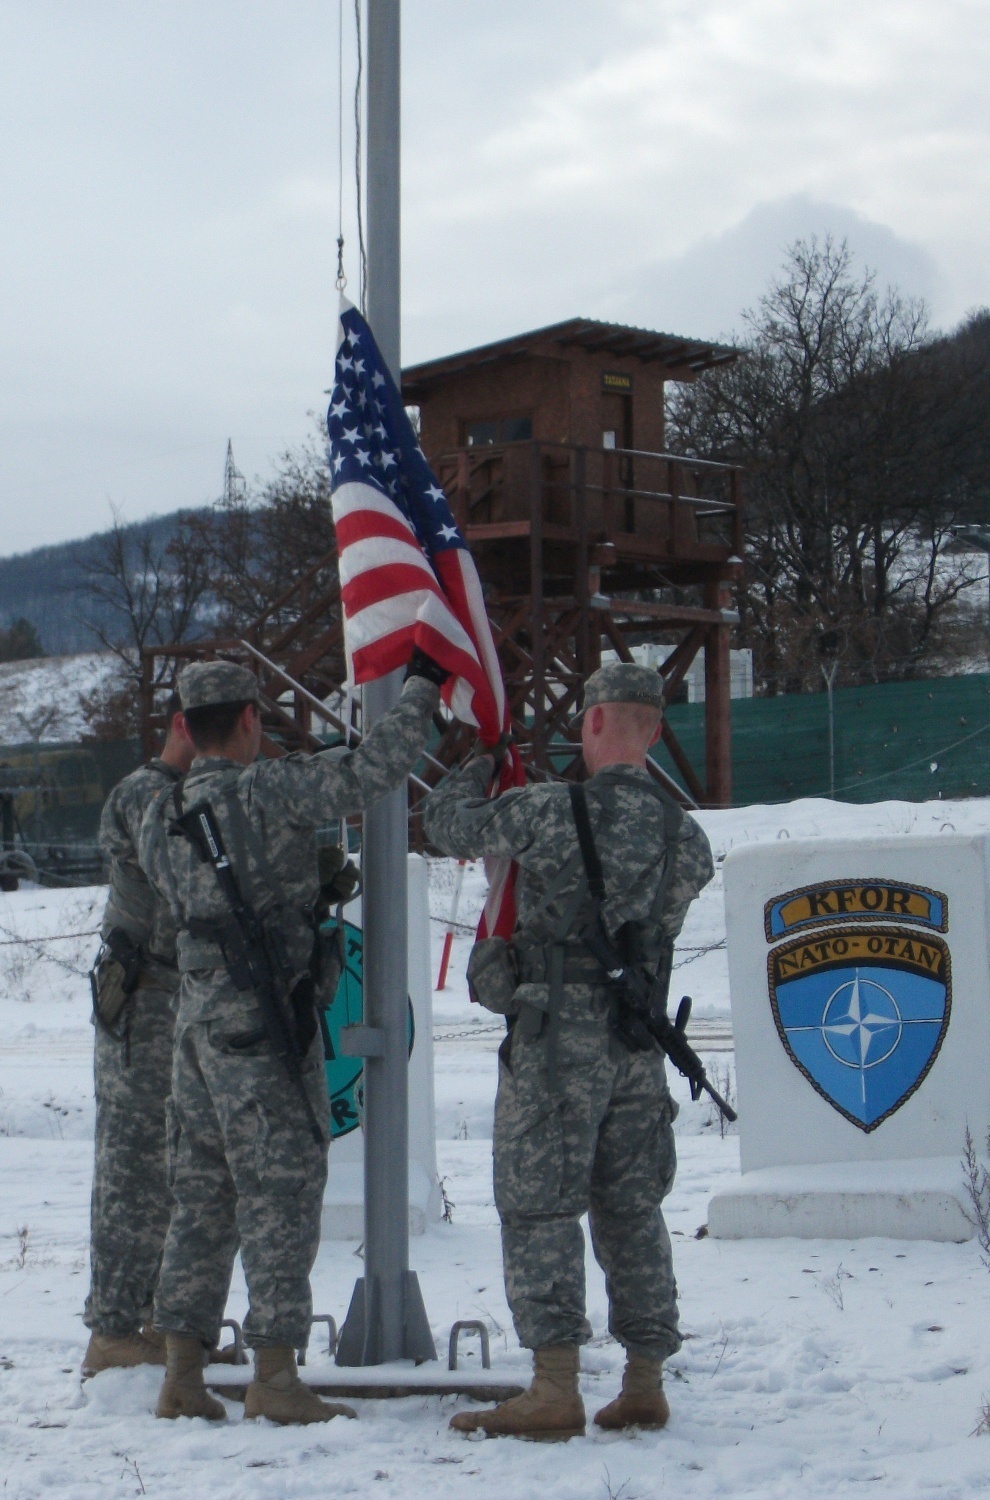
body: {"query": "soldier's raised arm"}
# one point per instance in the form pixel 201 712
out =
pixel 319 787
pixel 461 820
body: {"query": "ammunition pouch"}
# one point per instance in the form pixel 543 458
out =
pixel 493 975
pixel 114 978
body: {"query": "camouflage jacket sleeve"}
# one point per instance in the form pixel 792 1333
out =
pixel 132 903
pixel 310 789
pixel 462 821
pixel 692 872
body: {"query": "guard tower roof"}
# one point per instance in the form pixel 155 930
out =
pixel 683 357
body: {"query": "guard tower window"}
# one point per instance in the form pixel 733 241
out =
pixel 505 430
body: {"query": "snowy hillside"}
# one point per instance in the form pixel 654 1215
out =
pixel 40 700
pixel 809 1369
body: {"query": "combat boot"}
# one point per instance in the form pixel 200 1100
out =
pixel 641 1402
pixel 550 1411
pixel 276 1392
pixel 124 1351
pixel 184 1394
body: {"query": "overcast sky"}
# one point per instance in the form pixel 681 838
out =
pixel 168 171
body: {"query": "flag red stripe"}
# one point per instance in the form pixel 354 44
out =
pixel 361 525
pixel 379 584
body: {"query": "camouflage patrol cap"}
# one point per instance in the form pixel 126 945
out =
pixel 623 682
pixel 203 684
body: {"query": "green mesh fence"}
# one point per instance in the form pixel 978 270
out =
pixel 911 741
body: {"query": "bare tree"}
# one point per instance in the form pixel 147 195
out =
pixel 857 431
pixel 154 593
pixel 260 546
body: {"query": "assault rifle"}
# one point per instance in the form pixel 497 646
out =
pixel 639 1008
pixel 255 956
pixel 638 1014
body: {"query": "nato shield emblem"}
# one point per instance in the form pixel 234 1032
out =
pixel 861 1005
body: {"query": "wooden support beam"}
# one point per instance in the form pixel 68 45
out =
pixel 680 659
pixel 718 747
pixel 682 763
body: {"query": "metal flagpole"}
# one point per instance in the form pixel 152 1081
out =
pixel 386 1319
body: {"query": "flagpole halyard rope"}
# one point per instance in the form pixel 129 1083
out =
pixel 341 280
pixel 357 157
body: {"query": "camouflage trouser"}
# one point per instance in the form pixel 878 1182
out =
pixel 246 1175
pixel 600 1142
pixel 131 1202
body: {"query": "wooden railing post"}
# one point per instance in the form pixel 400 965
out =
pixel 674 471
pixel 147 691
pixel 536 594
pixel 735 495
pixel 579 522
pixel 462 493
pixel 718 745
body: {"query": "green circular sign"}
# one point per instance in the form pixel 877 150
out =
pixel 345 1075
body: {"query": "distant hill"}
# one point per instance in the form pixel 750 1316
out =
pixel 47 587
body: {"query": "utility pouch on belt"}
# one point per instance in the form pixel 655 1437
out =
pixel 114 977
pixel 493 975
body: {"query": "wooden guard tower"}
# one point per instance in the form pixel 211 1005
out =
pixel 587 534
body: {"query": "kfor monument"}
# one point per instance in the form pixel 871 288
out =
pixel 860 989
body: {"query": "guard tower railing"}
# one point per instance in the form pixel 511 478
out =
pixel 635 508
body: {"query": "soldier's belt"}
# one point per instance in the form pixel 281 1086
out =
pixel 578 967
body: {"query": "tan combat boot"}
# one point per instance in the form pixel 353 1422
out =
pixel 641 1402
pixel 183 1393
pixel 276 1392
pixel 123 1352
pixel 550 1411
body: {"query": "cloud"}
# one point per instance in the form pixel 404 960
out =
pixel 169 179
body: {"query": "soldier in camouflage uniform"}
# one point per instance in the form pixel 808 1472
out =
pixel 582 1125
pixel 246 1171
pixel 133 1067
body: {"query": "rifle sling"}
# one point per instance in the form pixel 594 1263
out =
pixel 290 1056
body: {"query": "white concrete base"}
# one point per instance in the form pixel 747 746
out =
pixel 343 1201
pixel 917 1199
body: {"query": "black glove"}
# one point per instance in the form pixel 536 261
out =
pixel 421 665
pixel 496 751
pixel 340 878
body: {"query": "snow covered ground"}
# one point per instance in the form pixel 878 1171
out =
pixel 42 699
pixel 808 1369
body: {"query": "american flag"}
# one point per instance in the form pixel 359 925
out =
pixel 407 577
